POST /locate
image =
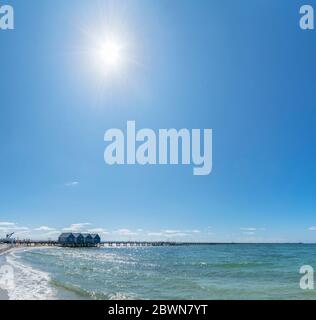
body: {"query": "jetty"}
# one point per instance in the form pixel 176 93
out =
pixel 82 240
pixel 110 244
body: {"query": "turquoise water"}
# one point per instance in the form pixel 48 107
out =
pixel 190 272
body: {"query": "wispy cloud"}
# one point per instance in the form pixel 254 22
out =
pixel 249 229
pixel 77 227
pixel 312 229
pixel 193 231
pixel 98 230
pixel 179 233
pixel 72 183
pixel 44 228
pixel 252 229
pixel 171 231
pixel 7 224
pixel 11 227
pixel 125 232
pixel 249 233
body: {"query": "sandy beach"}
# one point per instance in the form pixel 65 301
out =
pixel 4 248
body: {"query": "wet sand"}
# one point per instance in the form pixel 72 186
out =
pixel 3 295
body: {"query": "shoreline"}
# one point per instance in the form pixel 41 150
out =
pixel 54 289
pixel 3 250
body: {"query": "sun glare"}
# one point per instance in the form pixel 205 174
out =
pixel 109 55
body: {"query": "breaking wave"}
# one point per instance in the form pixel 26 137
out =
pixel 29 283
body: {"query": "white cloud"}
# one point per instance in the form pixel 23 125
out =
pixel 72 184
pixel 176 234
pixel 44 228
pixel 179 233
pixel 252 229
pixel 7 224
pixel 20 228
pixel 124 232
pixel 172 234
pixel 12 228
pixel 77 227
pixel 98 230
pixel 171 231
pixel 248 229
pixel 312 229
pixel 193 231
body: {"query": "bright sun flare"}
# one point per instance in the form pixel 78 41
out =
pixel 109 54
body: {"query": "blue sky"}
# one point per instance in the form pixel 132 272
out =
pixel 243 68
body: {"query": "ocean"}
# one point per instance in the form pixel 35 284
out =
pixel 226 271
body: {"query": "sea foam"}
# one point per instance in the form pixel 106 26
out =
pixel 30 284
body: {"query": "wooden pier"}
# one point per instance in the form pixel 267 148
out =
pixel 110 244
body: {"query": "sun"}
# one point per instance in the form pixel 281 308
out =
pixel 110 54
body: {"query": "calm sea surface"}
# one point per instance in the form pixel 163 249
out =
pixel 191 272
